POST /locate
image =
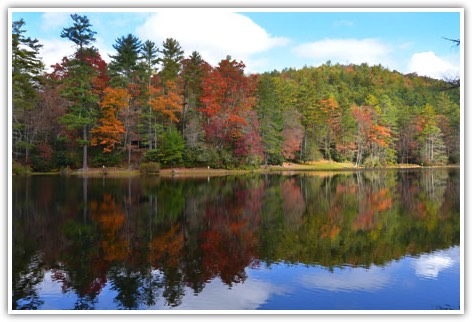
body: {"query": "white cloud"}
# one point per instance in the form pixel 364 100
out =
pixel 429 64
pixel 54 50
pixel 103 49
pixel 430 265
pixel 54 20
pixel 345 51
pixel 348 279
pixel 213 34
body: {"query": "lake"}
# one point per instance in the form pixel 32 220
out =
pixel 370 240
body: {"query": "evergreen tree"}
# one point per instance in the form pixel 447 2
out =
pixel 149 55
pixel 172 54
pixel 125 63
pixel 194 70
pixel 78 85
pixel 191 77
pixel 80 32
pixel 27 69
pixel 125 69
pixel 269 112
pixel 307 105
pixel 172 147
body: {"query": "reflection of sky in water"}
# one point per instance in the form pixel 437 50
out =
pixel 51 293
pixel 245 296
pixel 430 265
pixel 429 281
pixel 397 285
pixel 348 279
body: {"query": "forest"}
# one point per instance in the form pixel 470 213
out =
pixel 150 103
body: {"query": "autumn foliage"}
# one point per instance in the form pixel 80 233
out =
pixel 109 130
pixel 228 96
pixel 166 101
pixel 224 116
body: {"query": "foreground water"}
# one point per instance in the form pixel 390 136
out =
pixel 374 240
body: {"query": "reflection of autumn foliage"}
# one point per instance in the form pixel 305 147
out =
pixel 230 243
pixel 335 218
pixel 111 219
pixel 346 188
pixel 162 236
pixel 294 204
pixel 167 249
pixel 370 206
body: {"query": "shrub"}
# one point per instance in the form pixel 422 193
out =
pixel 65 171
pixel 372 162
pixel 151 156
pixel 19 169
pixel 42 158
pixel 149 168
pixel 170 151
pixel 106 159
pixel 172 147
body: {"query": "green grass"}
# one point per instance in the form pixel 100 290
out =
pixel 204 172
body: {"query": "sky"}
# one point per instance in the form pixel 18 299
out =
pixel 270 39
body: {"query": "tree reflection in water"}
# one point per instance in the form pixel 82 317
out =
pixel 154 239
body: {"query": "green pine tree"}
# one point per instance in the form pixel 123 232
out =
pixel 83 110
pixel 27 69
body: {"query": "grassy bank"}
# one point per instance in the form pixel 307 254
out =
pixel 318 166
pixel 98 172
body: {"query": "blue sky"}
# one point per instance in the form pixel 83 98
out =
pixel 406 41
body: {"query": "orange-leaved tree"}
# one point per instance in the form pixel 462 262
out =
pixel 166 101
pixel 371 137
pixel 110 129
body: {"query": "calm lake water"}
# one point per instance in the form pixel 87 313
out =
pixel 381 240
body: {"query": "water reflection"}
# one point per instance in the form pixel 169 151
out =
pixel 156 243
pixel 430 265
pixel 348 279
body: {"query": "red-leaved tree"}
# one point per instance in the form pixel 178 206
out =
pixel 228 97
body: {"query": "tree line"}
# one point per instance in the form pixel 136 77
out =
pixel 153 104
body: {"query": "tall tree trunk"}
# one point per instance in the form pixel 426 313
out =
pixel 129 155
pixel 84 159
pixel 150 128
pixel 26 155
pixel 432 150
pixel 359 155
pixel 305 155
pixel 150 114
pixel 301 150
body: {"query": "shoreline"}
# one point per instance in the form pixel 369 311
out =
pixel 320 167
